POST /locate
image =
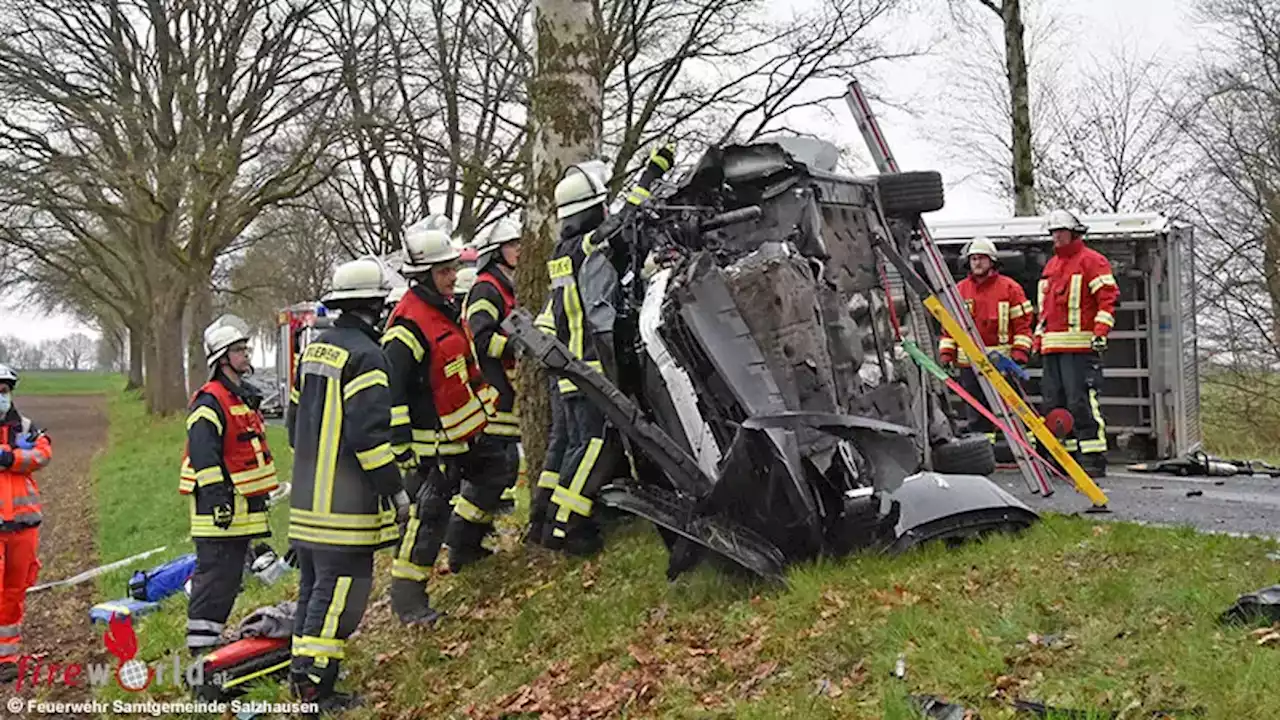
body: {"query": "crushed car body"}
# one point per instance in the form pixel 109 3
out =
pixel 758 387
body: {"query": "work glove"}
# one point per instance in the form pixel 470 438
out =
pixel 407 461
pixel 26 442
pixel 1099 343
pixel 223 512
pixel 946 358
pixel 6 458
pixel 401 501
pixel 663 157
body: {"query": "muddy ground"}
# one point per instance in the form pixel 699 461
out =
pixel 56 626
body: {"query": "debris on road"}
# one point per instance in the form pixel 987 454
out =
pixel 1260 606
pixel 1195 493
pixel 939 709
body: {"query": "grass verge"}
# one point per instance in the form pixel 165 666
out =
pixel 1072 613
pixel 69 382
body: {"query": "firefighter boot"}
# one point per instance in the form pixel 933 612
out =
pixel 308 688
pixel 1095 464
pixel 8 671
pixel 410 603
pixel 464 540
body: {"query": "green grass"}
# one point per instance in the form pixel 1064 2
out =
pixel 68 382
pixel 1130 612
pixel 1240 414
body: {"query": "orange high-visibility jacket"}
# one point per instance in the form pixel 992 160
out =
pixel 19 493
pixel 1001 312
pixel 1078 297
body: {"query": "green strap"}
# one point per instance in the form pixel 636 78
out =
pixel 925 362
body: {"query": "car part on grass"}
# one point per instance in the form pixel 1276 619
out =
pixel 936 708
pixel 983 366
pixel 1262 606
pixel 972 454
pixel 951 508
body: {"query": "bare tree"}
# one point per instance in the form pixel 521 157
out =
pixel 74 350
pixel 151 134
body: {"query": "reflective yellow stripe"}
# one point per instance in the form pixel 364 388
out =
pixel 570 499
pixel 327 457
pixel 329 630
pixel 1002 323
pixel 1073 303
pixel 560 267
pixel 310 646
pixel 588 246
pixel 257 481
pixel 1022 341
pixel 294 396
pixel 482 305
pixel 545 322
pixel 1102 317
pixel 364 382
pixel 243 522
pixel 947 343
pixel 548 479
pixel 405 570
pixel 208 476
pixel 497 344
pixel 1041 289
pixel 204 413
pixel 1098 443
pixel 325 354
pixel 350 537
pixel 637 196
pixel 399 415
pixel 471 512
pixel 336 521
pixel 376 457
pixel 1066 340
pixel 402 333
pixel 240 410
pixel 1100 282
pixel 573 313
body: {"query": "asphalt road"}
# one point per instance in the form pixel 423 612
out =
pixel 1248 505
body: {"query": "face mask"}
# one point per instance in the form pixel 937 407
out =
pixel 6 402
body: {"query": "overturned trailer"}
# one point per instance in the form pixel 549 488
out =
pixel 770 417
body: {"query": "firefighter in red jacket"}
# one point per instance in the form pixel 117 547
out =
pixel 489 301
pixel 439 408
pixel 227 473
pixel 1077 304
pixel 1002 313
pixel 24 449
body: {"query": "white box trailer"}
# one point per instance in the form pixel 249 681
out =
pixel 1151 387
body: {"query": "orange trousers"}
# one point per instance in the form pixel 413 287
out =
pixel 19 568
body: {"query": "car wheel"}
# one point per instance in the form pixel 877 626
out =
pixel 908 194
pixel 967 455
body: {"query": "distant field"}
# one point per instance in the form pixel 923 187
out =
pixel 68 382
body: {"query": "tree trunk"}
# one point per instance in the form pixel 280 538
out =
pixel 1015 57
pixel 199 316
pixel 137 338
pixel 565 108
pixel 166 384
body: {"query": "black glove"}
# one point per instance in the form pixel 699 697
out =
pixel 6 458
pixel 401 502
pixel 223 512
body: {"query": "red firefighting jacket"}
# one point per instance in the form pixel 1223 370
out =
pixel 442 351
pixel 489 302
pixel 1002 313
pixel 1078 297
pixel 244 457
pixel 19 493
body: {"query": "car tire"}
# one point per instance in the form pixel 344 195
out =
pixel 908 194
pixel 966 455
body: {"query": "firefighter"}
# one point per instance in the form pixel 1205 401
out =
pixel 489 300
pixel 347 498
pixel 1002 313
pixel 593 451
pixel 227 473
pixel 24 449
pixel 1078 296
pixel 438 414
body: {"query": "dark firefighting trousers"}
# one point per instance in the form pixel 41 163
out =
pixel 591 459
pixel 977 423
pixel 1072 381
pixel 482 471
pixel 333 592
pixel 488 470
pixel 214 587
pixel 557 442
pixel 19 567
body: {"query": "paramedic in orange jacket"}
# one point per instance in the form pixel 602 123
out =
pixel 1078 294
pixel 1002 314
pixel 24 449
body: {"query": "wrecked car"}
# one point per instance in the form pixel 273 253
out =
pixel 769 413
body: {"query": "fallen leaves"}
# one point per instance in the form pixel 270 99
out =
pixel 1268 636
pixel 898 597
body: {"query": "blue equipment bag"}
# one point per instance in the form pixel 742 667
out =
pixel 162 581
pixel 127 608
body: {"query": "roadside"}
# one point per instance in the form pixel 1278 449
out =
pixel 56 626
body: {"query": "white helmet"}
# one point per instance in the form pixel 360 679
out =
pixel 980 246
pixel 501 233
pixel 582 187
pixel 8 375
pixel 1065 220
pixel 361 279
pixel 466 278
pixel 426 246
pixel 224 332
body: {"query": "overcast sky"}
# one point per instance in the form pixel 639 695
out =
pixel 1150 27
